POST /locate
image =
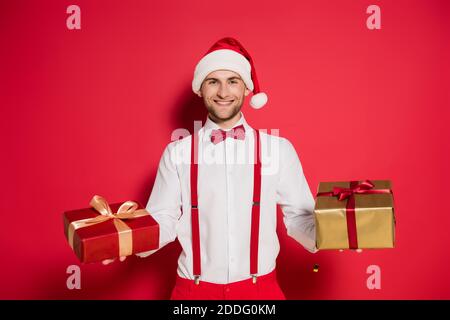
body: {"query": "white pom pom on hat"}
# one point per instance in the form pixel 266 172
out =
pixel 229 54
pixel 258 100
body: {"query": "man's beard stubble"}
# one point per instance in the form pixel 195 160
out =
pixel 235 110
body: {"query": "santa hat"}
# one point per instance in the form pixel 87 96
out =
pixel 229 54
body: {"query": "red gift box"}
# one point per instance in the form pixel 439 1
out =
pixel 108 231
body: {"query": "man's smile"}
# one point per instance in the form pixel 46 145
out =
pixel 224 102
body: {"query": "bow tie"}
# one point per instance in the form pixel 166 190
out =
pixel 219 135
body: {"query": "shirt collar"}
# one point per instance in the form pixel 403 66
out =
pixel 211 125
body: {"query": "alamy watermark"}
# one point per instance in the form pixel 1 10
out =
pixel 74 280
pixel 235 154
pixel 374 280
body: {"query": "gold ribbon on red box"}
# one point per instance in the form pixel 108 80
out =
pixel 127 210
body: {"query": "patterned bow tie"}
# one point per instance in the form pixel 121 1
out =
pixel 219 135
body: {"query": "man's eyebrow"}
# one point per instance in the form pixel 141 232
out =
pixel 231 78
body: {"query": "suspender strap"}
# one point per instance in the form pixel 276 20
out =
pixel 194 209
pixel 254 237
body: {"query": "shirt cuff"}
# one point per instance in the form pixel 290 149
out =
pixel 307 241
pixel 146 253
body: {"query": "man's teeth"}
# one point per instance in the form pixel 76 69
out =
pixel 224 102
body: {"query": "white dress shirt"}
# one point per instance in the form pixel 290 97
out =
pixel 225 195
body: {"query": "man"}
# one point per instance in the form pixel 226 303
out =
pixel 222 207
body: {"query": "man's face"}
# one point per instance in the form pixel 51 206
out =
pixel 223 94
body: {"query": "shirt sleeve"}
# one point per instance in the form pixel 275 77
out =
pixel 295 198
pixel 164 203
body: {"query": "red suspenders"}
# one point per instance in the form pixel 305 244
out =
pixel 254 237
pixel 194 211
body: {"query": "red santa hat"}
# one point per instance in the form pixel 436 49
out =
pixel 229 54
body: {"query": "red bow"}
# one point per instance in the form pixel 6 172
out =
pixel 344 193
pixel 219 135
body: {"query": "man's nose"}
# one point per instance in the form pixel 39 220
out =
pixel 223 91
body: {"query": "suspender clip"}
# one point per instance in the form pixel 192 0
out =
pixel 254 277
pixel 197 280
pixel 194 207
pixel 256 203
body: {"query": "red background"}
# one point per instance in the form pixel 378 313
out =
pixel 90 111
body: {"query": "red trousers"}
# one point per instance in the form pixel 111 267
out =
pixel 265 288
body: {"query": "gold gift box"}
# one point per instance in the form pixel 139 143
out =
pixel 374 215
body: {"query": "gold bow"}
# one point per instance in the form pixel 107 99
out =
pixel 127 210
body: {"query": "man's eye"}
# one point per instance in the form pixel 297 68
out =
pixel 212 82
pixel 233 81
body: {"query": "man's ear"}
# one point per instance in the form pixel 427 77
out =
pixel 246 92
pixel 199 93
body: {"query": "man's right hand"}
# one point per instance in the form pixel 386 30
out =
pixel 109 261
pixel 357 250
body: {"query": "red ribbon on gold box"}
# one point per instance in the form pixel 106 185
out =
pixel 355 214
